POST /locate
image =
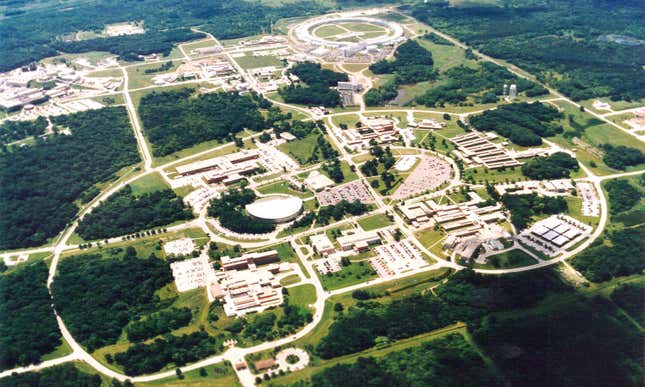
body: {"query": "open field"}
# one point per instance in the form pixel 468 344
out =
pixel 356 272
pixel 374 222
pixel 507 260
pixel 148 183
pixel 250 62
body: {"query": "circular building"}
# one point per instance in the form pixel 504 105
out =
pixel 276 208
pixel 392 31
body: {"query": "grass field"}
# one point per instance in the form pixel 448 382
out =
pixel 495 175
pixel 138 78
pixel 149 183
pixel 506 260
pixel 327 31
pixel 348 119
pixel 290 280
pixel 356 272
pixel 374 222
pixel 301 149
pixel 282 187
pixel 348 174
pixel 218 375
pixel 303 295
pixel 250 62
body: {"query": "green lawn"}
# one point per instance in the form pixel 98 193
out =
pixel 374 222
pixel 355 273
pixel 301 149
pixel 508 259
pixel 302 295
pixel 148 183
pixel 348 174
pixel 137 77
pixel 495 175
pixel 290 280
pixel 250 62
pixel 218 375
pixel 348 119
pixel 326 31
pixel 282 187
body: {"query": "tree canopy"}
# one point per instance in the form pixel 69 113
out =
pixel 557 166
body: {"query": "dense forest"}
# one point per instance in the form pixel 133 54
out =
pixel 179 350
pixel 622 195
pixel 121 289
pixel 11 131
pixel 524 207
pixel 466 297
pixel 173 121
pixel 621 157
pixel 31 33
pixel 129 47
pixel 447 361
pixel 229 209
pixel 28 329
pixel 556 166
pixel 567 43
pixel 42 182
pixel 317 89
pixel 483 84
pixel 339 210
pixel 522 123
pixel 617 253
pixel 583 342
pixel 158 323
pixel 125 213
pixel 66 375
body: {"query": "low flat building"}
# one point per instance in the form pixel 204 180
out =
pixel 192 273
pixel 249 260
pixel 358 241
pixel 321 244
pixel 249 291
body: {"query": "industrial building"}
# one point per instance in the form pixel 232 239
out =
pixel 555 234
pixel 321 244
pixel 358 241
pixel 192 273
pixel 476 148
pixel 249 261
pixel 397 258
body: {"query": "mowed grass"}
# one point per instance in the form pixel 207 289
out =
pixel 149 183
pixel 374 222
pixel 302 295
pixel 301 149
pixel 507 259
pixel 327 31
pixel 249 61
pixel 354 273
pixel 138 78
pixel 282 187
pixel 218 375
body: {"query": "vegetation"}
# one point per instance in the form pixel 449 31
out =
pixel 524 207
pixel 466 297
pixel 158 323
pixel 449 361
pixel 580 343
pixel 179 350
pixel 317 90
pixel 522 123
pixel 124 213
pixel 556 166
pixel 28 329
pixel 482 84
pixel 31 33
pixel 61 375
pixel 621 157
pixel 229 209
pixel 42 182
pixel 622 195
pixel 11 131
pixel 339 210
pixel 98 297
pixel 310 145
pixel 129 47
pixel 172 120
pixel 629 297
pixel 570 44
pixel 618 253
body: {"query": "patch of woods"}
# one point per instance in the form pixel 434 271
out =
pixel 143 358
pixel 304 132
pixel 338 211
pixel 316 90
pixel 522 123
pixel 446 361
pixel 623 196
pixel 412 64
pixel 41 183
pixel 617 253
pixel 483 84
pixel 563 42
pixel 28 329
pixel 129 47
pixel 229 209
pixel 466 297
pixel 11 131
pixel 98 297
pixel 61 375
pixel 524 207
pixel 383 160
pixel 621 157
pixel 177 119
pixel 126 213
pixel 556 166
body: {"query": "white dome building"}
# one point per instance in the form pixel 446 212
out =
pixel 276 208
